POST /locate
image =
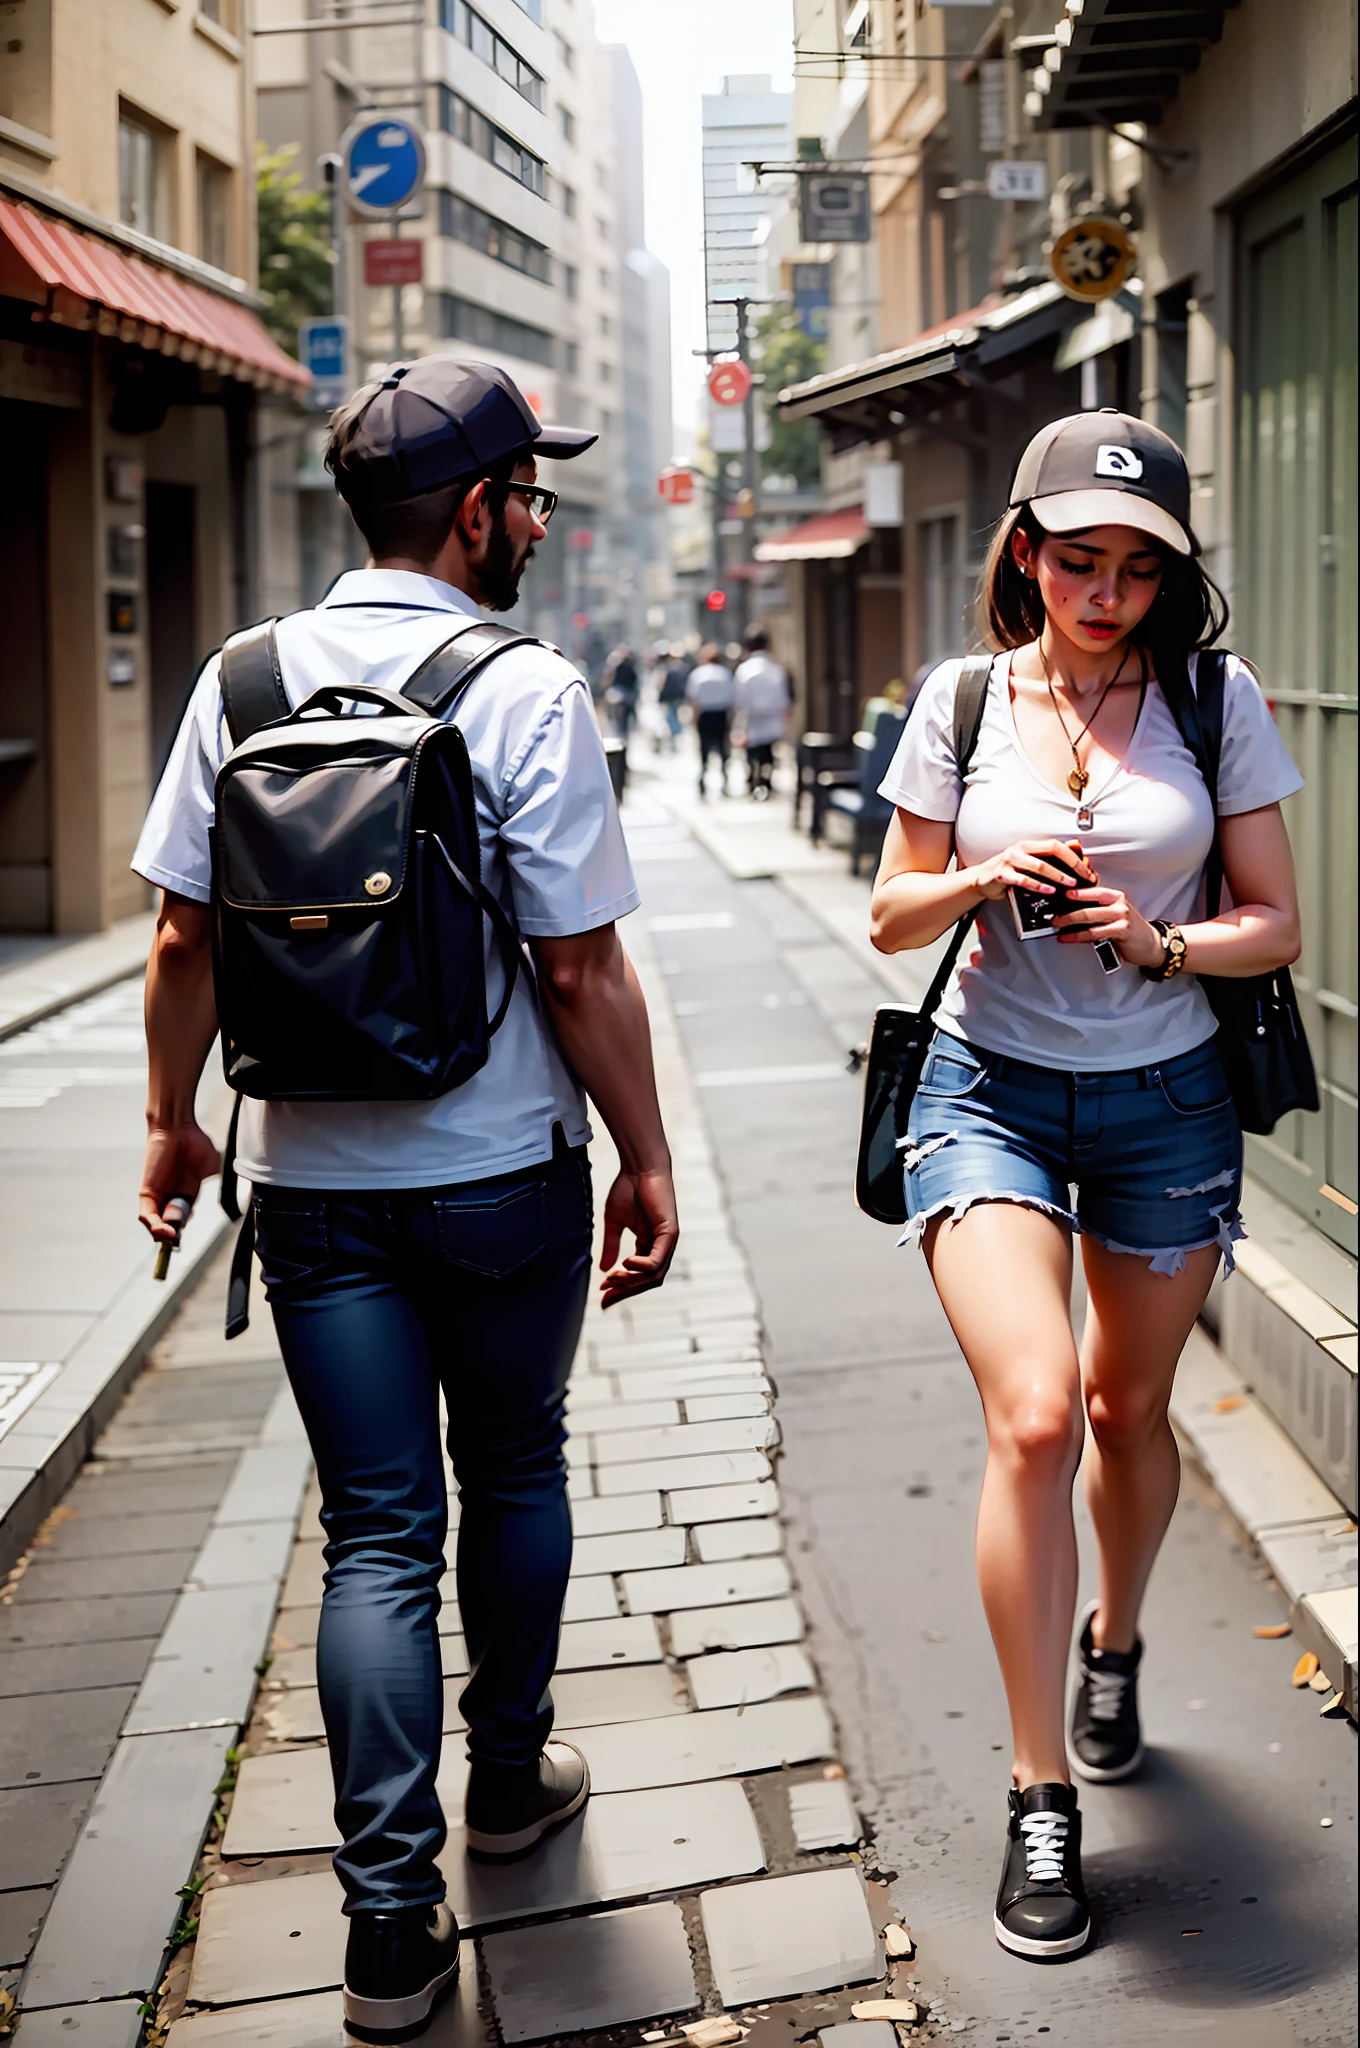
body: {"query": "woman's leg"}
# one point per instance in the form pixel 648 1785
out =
pixel 1004 1275
pixel 1136 1326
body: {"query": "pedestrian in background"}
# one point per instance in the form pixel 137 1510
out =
pixel 621 690
pixel 1054 1067
pixel 670 694
pixel 416 1247
pixel 711 690
pixel 763 696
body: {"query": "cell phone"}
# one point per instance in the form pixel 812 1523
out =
pixel 1034 914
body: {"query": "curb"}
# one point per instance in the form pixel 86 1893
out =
pixel 1302 1534
pixel 63 1424
pixel 29 994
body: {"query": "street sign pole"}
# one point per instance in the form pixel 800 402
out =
pixel 398 337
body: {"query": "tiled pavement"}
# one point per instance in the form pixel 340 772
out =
pixel 717 1868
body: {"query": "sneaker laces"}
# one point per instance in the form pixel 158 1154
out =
pixel 1105 1694
pixel 1045 1839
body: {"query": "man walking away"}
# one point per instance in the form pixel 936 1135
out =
pixel 671 690
pixel 712 692
pixel 763 699
pixel 410 1247
pixel 621 690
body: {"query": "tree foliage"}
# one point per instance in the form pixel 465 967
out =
pixel 296 261
pixel 788 356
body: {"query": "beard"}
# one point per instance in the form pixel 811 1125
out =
pixel 500 572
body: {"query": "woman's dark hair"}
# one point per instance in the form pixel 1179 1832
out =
pixel 1189 610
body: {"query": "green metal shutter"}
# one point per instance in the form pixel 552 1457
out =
pixel 1295 617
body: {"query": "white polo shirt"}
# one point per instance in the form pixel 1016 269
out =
pixel 552 850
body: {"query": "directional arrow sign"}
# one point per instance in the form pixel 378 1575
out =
pixel 384 165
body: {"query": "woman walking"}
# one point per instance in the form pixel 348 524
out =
pixel 1077 1051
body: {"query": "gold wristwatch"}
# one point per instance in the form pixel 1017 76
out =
pixel 1173 959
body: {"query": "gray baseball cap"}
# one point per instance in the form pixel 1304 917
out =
pixel 1107 469
pixel 437 420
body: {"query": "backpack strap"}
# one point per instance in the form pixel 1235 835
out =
pixel 1198 711
pixel 252 681
pixel 442 678
pixel 970 701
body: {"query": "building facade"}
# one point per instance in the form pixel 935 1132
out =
pixel 526 257
pixel 142 408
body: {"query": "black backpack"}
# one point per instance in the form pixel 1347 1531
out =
pixel 347 898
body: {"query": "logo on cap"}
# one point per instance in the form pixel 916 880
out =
pixel 1117 461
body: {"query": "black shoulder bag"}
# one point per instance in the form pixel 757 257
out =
pixel 901 1035
pixel 1261 1039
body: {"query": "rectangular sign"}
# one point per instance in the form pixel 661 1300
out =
pixel 392 261
pixel 1018 179
pixel 323 348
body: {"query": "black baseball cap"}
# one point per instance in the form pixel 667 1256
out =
pixel 1107 469
pixel 429 423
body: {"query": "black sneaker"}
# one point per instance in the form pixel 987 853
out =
pixel 396 1967
pixel 511 1807
pixel 1104 1737
pixel 1041 1907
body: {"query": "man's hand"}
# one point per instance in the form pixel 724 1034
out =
pixel 645 1204
pixel 181 1023
pixel 178 1161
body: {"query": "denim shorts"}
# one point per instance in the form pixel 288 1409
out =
pixel 1154 1154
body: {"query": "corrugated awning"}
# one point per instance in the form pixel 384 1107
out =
pixel 1119 60
pixel 84 282
pixel 869 401
pixel 827 537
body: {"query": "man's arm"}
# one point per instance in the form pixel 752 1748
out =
pixel 181 1023
pixel 597 1007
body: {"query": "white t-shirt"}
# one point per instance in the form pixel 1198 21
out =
pixel 762 699
pixel 552 851
pixel 710 687
pixel 1150 836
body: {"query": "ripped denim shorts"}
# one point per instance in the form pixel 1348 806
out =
pixel 1153 1153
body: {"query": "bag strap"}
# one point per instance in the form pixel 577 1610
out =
pixel 252 681
pixel 1198 711
pixel 970 702
pixel 444 675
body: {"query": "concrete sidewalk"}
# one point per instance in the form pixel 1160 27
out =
pixel 79 1309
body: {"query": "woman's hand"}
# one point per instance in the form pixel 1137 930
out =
pixel 1108 914
pixel 1041 865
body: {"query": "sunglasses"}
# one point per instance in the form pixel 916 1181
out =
pixel 541 501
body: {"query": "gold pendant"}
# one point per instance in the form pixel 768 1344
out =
pixel 1077 781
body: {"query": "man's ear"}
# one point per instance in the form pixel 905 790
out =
pixel 468 519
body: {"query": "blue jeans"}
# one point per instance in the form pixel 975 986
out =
pixel 380 1300
pixel 1154 1153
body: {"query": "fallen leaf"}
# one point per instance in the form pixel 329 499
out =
pixel 1304 1669
pixel 1320 1682
pixel 833 1770
pixel 712 2033
pixel 1228 1403
pixel 885 2009
pixel 1342 1529
pixel 1271 1631
pixel 897 1939
pixel 1334 1708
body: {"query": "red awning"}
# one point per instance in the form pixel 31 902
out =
pixel 828 536
pixel 77 276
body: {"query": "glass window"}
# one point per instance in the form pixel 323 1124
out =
pixel 214 213
pixel 462 320
pixel 141 177
pixel 565 52
pixel 464 22
pixel 457 118
pixel 567 121
pixel 569 201
pixel 572 359
pixel 571 280
pixel 461 221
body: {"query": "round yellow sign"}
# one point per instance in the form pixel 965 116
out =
pixel 1092 259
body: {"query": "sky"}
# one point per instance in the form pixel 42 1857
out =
pixel 682 49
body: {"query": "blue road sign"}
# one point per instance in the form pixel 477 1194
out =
pixel 323 349
pixel 384 164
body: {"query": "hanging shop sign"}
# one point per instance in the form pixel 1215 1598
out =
pixel 676 485
pixel 1018 178
pixel 1093 258
pixel 833 206
pixel 728 383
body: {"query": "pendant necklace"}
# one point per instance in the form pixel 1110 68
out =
pixel 1079 776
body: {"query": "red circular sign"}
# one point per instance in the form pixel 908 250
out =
pixel 729 383
pixel 715 600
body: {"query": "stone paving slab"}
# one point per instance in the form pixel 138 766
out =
pixel 719 1542
pixel 809 1932
pixel 204 1667
pixel 572 1975
pixel 726 1743
pixel 706 1585
pixel 117 2024
pixel 49 1739
pixel 273 1938
pixel 318 2021
pixel 823 1815
pixel 719 1468
pixel 722 1503
pixel 747 1625
pixel 732 1678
